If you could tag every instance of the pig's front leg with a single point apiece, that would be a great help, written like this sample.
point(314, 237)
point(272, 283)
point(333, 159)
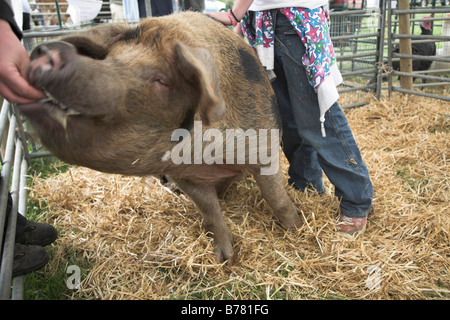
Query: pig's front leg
point(207, 201)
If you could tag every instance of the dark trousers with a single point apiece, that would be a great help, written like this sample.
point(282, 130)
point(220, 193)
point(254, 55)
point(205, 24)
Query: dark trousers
point(161, 7)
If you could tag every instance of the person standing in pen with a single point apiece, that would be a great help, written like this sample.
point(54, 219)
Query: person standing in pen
point(292, 40)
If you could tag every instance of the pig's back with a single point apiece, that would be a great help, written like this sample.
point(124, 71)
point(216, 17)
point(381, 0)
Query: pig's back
point(244, 85)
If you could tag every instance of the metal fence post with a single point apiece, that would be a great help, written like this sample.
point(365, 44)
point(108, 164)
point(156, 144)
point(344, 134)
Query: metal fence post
point(380, 47)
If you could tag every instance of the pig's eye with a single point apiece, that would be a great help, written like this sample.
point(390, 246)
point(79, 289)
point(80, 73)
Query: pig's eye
point(161, 81)
point(155, 76)
point(88, 48)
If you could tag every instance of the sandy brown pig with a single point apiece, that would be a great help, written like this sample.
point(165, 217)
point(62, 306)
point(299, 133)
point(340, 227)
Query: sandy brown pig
point(123, 99)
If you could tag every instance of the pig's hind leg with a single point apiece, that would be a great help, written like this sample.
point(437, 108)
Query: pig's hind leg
point(273, 191)
point(207, 201)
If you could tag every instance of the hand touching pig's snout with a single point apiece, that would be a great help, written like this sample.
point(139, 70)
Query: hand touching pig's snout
point(51, 63)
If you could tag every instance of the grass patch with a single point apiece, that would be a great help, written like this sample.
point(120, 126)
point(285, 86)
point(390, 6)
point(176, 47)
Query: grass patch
point(49, 283)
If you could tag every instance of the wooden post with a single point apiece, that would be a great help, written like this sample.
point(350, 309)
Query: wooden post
point(405, 46)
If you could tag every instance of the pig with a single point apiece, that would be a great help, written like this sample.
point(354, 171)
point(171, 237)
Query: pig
point(117, 94)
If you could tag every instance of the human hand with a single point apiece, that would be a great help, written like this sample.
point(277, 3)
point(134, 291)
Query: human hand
point(238, 29)
point(221, 16)
point(224, 18)
point(14, 62)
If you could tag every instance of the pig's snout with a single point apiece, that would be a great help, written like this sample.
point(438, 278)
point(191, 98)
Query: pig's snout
point(50, 63)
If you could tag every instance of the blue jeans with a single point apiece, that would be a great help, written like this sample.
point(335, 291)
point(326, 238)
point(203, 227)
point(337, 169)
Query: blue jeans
point(307, 151)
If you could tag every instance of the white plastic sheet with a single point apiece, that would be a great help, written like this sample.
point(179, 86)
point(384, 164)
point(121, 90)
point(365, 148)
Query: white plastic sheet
point(83, 10)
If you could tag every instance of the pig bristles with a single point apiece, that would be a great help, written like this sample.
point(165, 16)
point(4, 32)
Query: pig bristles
point(134, 239)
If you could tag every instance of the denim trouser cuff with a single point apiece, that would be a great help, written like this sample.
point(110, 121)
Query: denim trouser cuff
point(365, 214)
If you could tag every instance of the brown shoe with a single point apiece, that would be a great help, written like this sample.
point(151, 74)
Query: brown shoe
point(351, 225)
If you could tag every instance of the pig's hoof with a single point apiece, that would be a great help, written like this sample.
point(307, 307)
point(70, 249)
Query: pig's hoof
point(224, 254)
point(292, 223)
point(223, 246)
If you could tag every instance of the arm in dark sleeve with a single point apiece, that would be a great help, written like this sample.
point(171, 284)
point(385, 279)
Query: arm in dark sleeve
point(7, 14)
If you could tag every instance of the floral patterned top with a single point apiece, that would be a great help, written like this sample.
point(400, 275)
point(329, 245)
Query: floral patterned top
point(312, 27)
point(319, 59)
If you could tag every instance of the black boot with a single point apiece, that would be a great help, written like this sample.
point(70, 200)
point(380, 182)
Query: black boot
point(34, 233)
point(28, 259)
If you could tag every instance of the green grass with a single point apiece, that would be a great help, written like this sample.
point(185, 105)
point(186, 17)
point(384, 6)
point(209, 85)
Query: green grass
point(47, 166)
point(413, 182)
point(49, 283)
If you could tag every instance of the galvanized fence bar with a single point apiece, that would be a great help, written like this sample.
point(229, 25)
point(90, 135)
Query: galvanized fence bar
point(10, 233)
point(353, 88)
point(359, 72)
point(6, 172)
point(359, 12)
point(419, 57)
point(356, 35)
point(438, 81)
point(7, 166)
point(49, 33)
point(421, 10)
point(18, 282)
point(354, 56)
point(422, 76)
point(435, 71)
point(419, 93)
point(420, 37)
point(380, 48)
point(14, 166)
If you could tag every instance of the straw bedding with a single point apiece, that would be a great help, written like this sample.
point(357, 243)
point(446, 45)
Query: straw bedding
point(140, 240)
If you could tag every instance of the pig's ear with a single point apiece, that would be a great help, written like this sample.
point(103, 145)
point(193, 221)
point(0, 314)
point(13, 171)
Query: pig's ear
point(197, 66)
point(87, 47)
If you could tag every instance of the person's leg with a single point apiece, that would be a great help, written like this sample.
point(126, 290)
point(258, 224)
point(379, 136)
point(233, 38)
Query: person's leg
point(161, 8)
point(29, 255)
point(304, 170)
point(338, 153)
point(344, 166)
